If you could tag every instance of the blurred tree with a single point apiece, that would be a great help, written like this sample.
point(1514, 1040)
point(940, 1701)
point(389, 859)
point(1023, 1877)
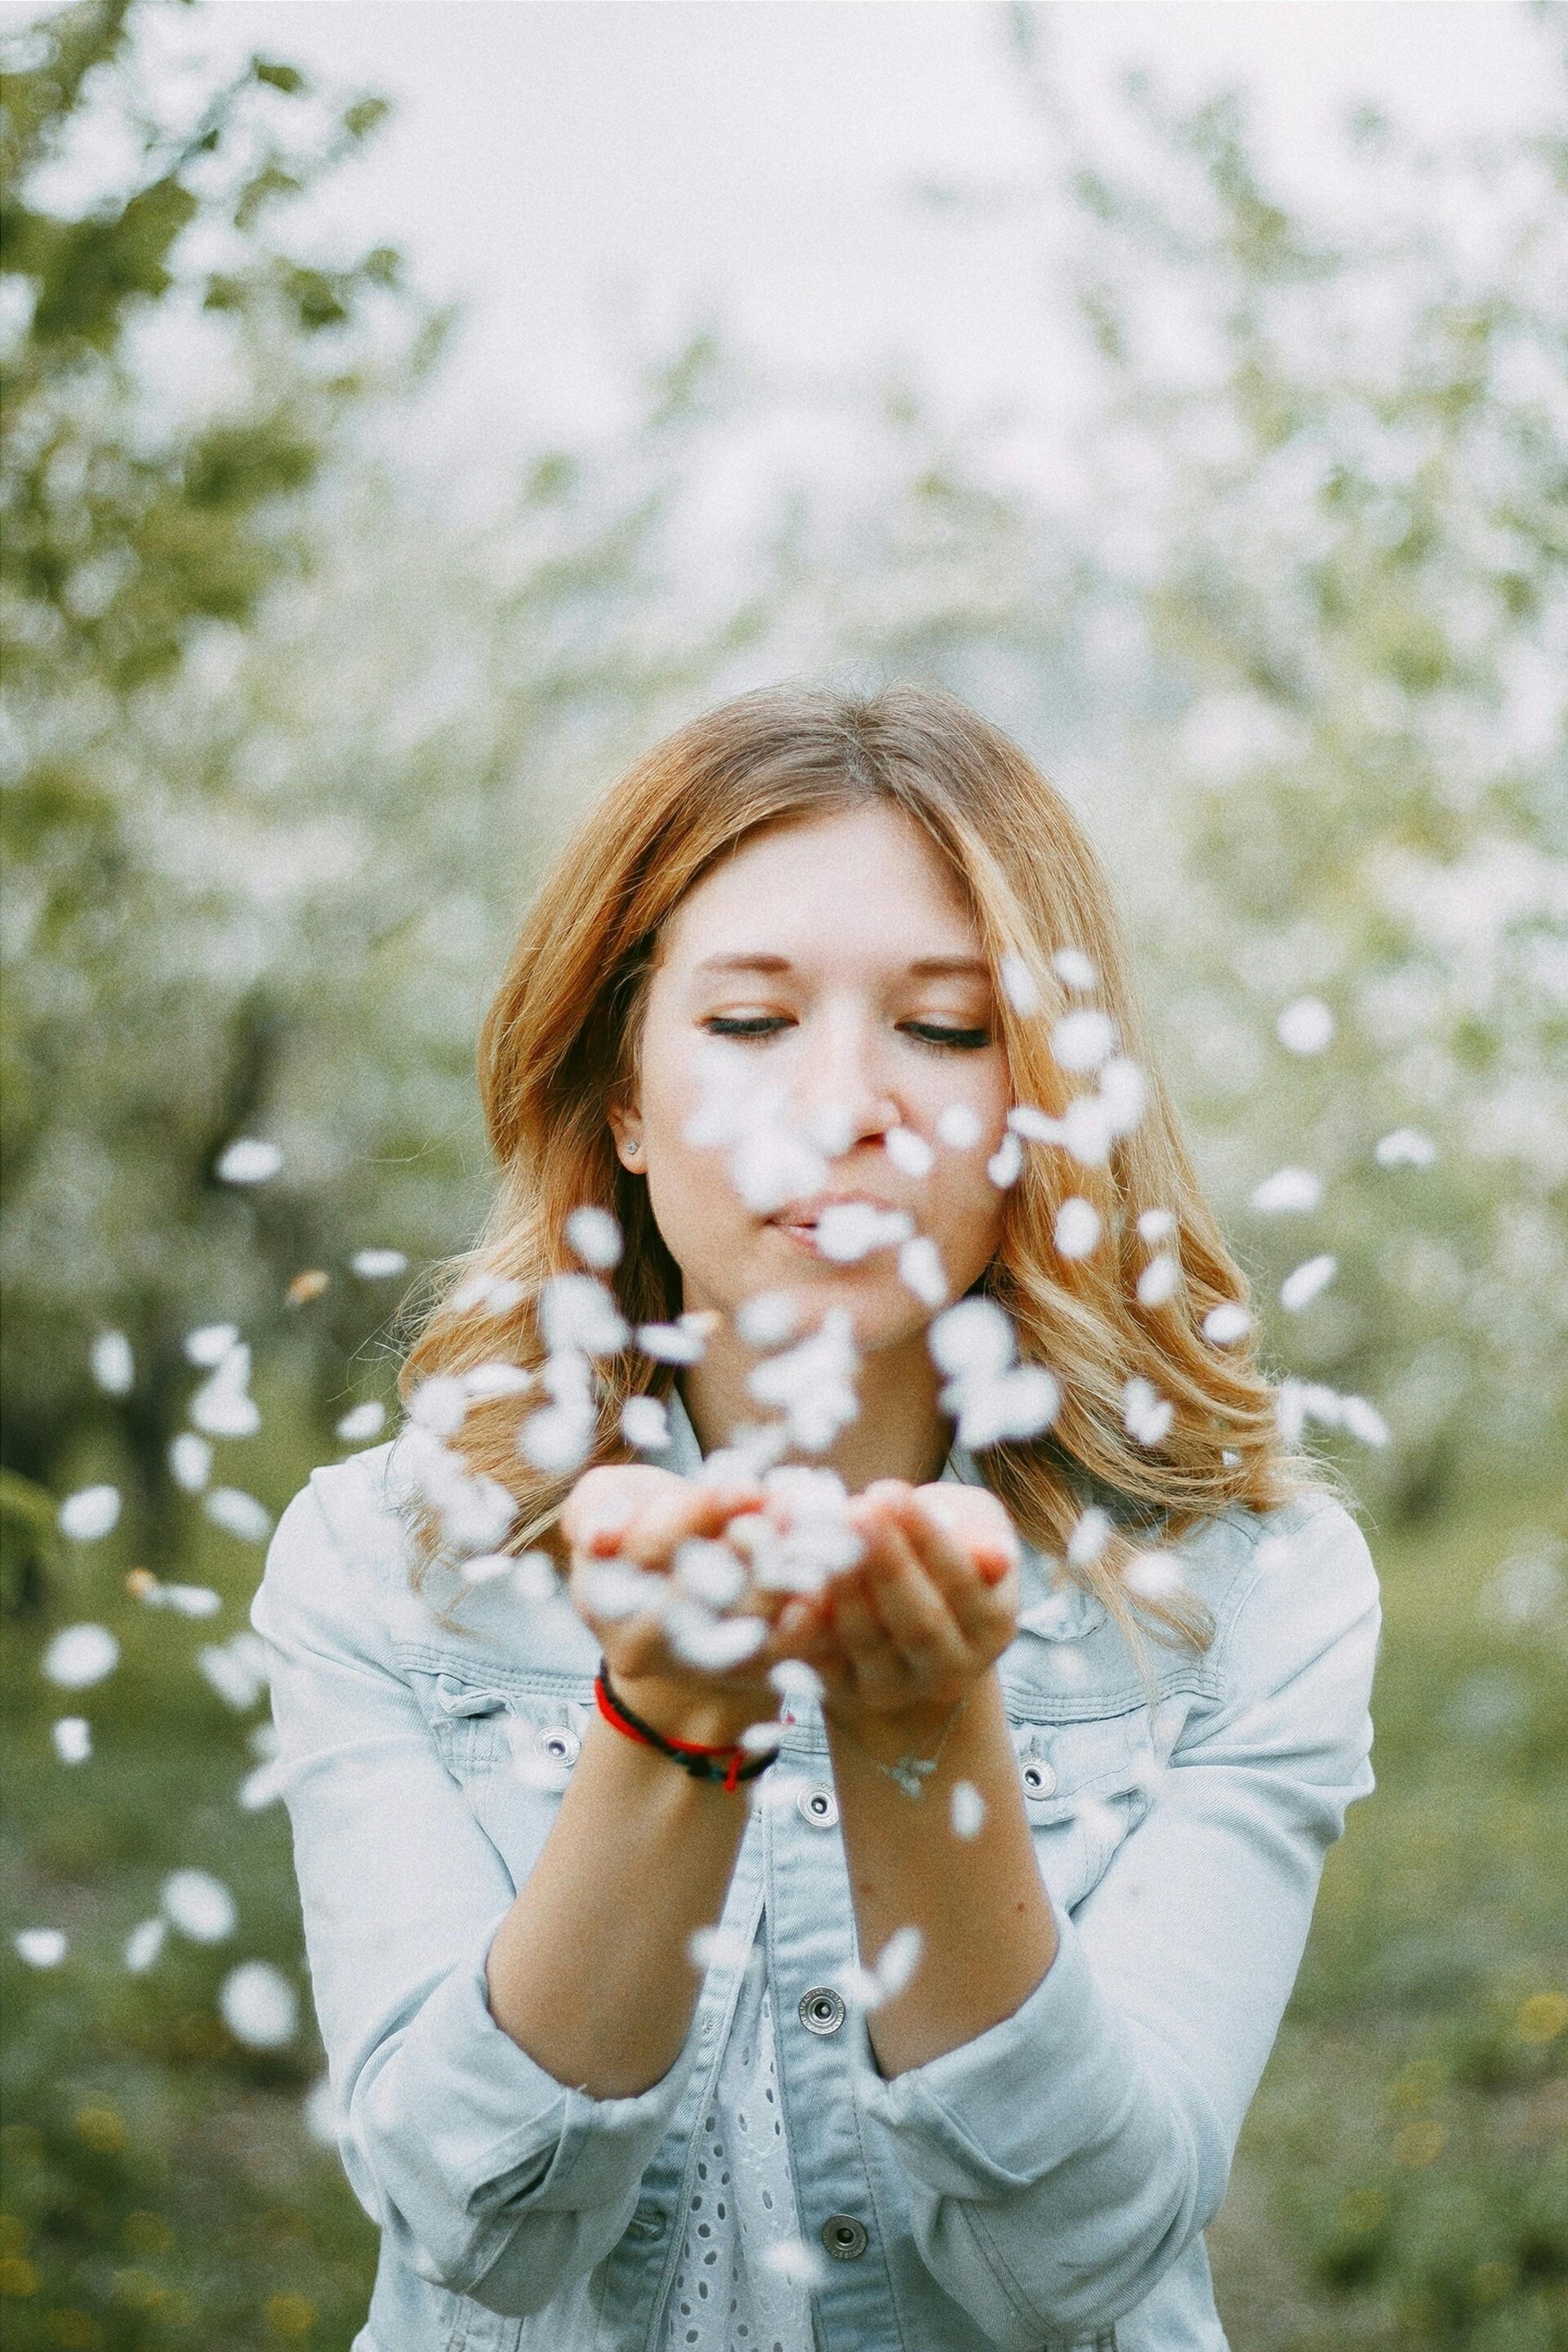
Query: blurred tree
point(282, 734)
point(1326, 467)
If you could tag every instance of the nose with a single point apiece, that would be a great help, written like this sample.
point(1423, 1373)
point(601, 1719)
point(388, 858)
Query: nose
point(843, 1095)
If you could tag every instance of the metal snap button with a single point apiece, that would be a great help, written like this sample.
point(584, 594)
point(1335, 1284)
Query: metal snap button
point(844, 2237)
point(818, 1805)
point(553, 1739)
point(821, 2010)
point(1039, 1779)
point(647, 2223)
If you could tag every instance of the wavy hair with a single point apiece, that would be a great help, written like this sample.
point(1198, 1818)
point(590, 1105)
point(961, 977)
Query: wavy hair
point(560, 1040)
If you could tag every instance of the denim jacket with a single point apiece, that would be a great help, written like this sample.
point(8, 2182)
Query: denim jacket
point(1043, 2187)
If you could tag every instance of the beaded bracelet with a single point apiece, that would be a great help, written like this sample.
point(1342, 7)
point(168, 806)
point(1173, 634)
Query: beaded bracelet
point(728, 1766)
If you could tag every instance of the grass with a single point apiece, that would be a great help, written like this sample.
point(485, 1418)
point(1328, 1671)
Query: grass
point(1401, 2183)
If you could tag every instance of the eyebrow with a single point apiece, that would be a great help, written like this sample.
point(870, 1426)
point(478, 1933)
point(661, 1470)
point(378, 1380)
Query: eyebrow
point(922, 968)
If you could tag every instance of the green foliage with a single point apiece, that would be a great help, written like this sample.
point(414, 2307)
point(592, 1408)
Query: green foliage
point(1326, 485)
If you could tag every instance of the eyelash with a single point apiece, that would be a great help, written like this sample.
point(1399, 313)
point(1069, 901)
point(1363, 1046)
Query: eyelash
point(952, 1041)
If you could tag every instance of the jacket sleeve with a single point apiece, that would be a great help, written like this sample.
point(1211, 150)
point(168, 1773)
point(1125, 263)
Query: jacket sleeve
point(490, 2178)
point(1062, 2161)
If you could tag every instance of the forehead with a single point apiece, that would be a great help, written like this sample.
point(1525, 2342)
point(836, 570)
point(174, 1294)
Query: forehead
point(865, 881)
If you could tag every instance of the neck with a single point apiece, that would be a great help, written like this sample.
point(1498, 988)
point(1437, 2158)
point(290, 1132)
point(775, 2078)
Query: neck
point(898, 1432)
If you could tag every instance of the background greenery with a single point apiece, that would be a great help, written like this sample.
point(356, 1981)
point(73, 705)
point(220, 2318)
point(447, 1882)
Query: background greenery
point(286, 737)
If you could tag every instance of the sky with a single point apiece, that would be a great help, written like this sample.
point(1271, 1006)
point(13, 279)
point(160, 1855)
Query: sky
point(591, 176)
point(594, 179)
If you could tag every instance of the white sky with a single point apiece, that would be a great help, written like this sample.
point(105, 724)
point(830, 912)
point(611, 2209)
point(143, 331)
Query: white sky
point(593, 176)
point(583, 168)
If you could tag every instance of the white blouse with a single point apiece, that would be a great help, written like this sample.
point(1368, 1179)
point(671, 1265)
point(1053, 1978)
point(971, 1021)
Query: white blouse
point(727, 2296)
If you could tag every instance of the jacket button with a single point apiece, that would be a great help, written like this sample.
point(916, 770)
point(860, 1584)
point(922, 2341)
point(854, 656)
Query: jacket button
point(1039, 1779)
point(821, 2010)
point(818, 1805)
point(560, 1744)
point(844, 2237)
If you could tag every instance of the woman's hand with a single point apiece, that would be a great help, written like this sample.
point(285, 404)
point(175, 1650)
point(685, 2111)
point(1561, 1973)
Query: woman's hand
point(636, 1516)
point(927, 1610)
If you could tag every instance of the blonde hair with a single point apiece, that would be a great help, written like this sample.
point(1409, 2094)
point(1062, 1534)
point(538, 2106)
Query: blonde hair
point(560, 1044)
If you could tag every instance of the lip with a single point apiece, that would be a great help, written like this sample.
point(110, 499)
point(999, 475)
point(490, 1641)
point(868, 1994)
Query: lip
point(801, 1217)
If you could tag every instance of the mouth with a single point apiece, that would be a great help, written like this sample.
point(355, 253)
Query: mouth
point(804, 1216)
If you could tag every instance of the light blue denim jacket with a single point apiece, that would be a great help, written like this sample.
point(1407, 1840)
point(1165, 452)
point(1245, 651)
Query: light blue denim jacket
point(1043, 2187)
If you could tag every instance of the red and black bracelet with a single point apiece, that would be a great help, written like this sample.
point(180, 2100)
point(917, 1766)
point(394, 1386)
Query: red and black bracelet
point(728, 1766)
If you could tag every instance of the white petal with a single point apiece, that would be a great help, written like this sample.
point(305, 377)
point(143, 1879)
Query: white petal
point(1305, 1025)
point(362, 1421)
point(80, 1654)
point(596, 1235)
point(42, 1947)
point(259, 2005)
point(959, 1127)
point(1301, 1285)
point(89, 1513)
point(1082, 1040)
point(1158, 1280)
point(249, 1160)
point(1288, 1189)
point(1077, 1228)
point(113, 1366)
point(1018, 984)
point(377, 1264)
point(199, 1906)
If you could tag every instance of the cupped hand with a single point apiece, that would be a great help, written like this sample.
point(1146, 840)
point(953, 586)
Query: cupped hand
point(927, 1610)
point(638, 1516)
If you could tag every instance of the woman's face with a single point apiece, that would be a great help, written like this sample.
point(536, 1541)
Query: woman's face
point(837, 959)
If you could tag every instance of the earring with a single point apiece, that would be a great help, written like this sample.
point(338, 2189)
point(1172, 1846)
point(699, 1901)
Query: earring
point(633, 1152)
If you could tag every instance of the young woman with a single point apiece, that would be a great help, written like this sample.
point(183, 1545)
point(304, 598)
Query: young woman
point(810, 1756)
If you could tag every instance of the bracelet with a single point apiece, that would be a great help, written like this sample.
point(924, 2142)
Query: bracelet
point(729, 1766)
point(910, 1774)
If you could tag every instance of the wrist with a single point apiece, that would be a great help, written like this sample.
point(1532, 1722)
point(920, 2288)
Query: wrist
point(704, 1719)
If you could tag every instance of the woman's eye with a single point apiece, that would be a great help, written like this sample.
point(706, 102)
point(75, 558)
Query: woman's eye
point(930, 1033)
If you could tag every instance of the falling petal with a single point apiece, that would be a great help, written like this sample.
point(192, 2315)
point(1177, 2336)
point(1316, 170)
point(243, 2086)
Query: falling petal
point(596, 1235)
point(966, 1810)
point(1158, 1281)
point(236, 1669)
point(439, 1403)
point(249, 1160)
point(909, 1151)
point(578, 1313)
point(144, 1945)
point(975, 1335)
point(1005, 1164)
point(1073, 968)
point(1406, 1147)
point(1154, 1576)
point(113, 1366)
point(199, 1906)
point(1288, 1189)
point(210, 1342)
point(1305, 1026)
point(80, 1654)
point(1018, 984)
point(323, 2117)
point(959, 1127)
point(718, 1948)
point(72, 1736)
point(920, 1270)
point(1226, 1322)
point(1089, 1537)
point(259, 2006)
point(238, 1514)
point(1157, 1224)
point(1146, 1415)
point(42, 1947)
point(377, 1264)
point(848, 1230)
point(190, 1461)
point(1077, 1228)
point(1123, 1094)
point(645, 1423)
point(1081, 1041)
point(793, 2260)
point(767, 1318)
point(221, 1406)
point(1300, 1287)
point(535, 1578)
point(89, 1514)
point(312, 1283)
point(1364, 1420)
point(361, 1422)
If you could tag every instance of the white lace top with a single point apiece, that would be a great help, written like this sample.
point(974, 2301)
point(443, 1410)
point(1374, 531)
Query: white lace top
point(726, 2296)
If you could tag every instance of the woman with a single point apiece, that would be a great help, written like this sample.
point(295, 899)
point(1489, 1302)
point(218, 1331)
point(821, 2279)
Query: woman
point(849, 1905)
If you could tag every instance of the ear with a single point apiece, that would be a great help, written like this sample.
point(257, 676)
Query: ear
point(626, 1128)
